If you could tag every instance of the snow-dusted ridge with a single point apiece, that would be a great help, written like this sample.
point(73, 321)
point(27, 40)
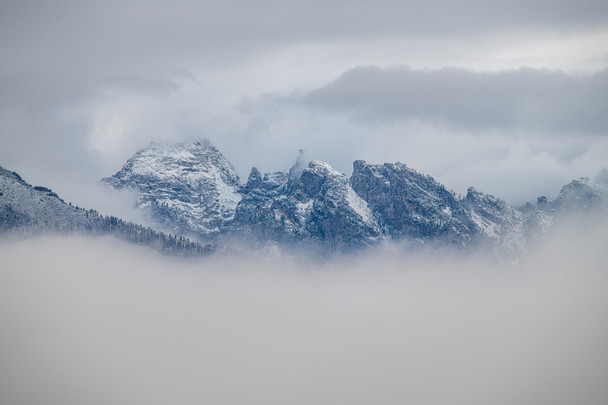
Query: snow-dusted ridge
point(184, 188)
point(192, 189)
point(27, 211)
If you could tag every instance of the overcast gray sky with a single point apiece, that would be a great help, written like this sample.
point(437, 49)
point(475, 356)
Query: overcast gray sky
point(507, 96)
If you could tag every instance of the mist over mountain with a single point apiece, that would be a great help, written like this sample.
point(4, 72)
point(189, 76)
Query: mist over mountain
point(93, 320)
point(193, 190)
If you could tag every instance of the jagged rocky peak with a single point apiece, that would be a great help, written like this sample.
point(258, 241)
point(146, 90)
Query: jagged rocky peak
point(478, 200)
point(173, 160)
point(320, 180)
point(317, 208)
point(473, 193)
point(255, 179)
point(317, 172)
point(191, 189)
point(372, 181)
point(579, 195)
point(496, 221)
point(343, 217)
point(185, 188)
point(412, 204)
point(272, 183)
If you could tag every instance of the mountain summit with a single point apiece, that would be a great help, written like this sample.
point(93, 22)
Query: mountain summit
point(314, 207)
point(184, 188)
point(191, 189)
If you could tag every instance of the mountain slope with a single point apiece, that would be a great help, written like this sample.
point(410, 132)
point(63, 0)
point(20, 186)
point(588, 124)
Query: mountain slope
point(411, 204)
point(27, 210)
point(500, 227)
point(184, 188)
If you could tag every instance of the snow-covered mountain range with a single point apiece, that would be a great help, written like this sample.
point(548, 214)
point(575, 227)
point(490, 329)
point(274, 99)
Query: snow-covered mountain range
point(191, 189)
point(26, 210)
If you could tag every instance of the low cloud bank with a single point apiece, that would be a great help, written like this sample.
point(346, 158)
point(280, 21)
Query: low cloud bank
point(96, 321)
point(537, 100)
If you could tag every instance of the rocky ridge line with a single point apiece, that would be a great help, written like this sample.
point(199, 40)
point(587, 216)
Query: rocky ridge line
point(192, 189)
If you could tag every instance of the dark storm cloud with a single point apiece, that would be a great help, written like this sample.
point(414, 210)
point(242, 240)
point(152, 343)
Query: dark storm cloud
point(122, 33)
point(528, 99)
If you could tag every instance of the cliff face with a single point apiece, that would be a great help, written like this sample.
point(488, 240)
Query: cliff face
point(317, 209)
point(410, 204)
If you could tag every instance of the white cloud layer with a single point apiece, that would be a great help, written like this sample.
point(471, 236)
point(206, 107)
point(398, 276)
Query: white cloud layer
point(94, 321)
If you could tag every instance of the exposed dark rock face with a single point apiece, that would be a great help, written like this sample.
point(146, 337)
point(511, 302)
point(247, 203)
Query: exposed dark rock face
point(411, 204)
point(265, 213)
point(319, 210)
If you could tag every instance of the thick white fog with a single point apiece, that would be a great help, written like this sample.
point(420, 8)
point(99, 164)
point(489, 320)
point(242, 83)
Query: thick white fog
point(95, 321)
